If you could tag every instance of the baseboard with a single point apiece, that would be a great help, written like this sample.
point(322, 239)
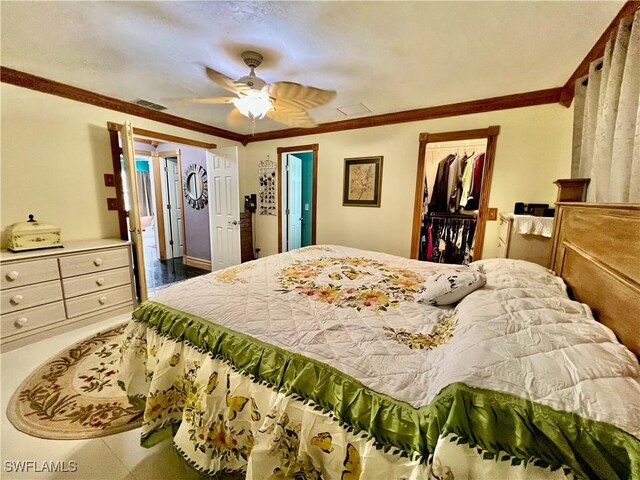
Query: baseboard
point(197, 262)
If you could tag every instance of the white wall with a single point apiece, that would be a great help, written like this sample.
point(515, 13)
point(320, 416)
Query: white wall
point(54, 153)
point(533, 150)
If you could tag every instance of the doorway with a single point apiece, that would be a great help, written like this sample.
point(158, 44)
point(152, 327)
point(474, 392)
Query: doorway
point(171, 203)
point(169, 227)
point(451, 204)
point(297, 200)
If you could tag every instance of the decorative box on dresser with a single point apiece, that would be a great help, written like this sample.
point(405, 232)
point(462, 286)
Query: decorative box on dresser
point(45, 292)
point(511, 244)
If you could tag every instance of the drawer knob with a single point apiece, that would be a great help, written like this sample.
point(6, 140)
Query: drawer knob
point(97, 262)
point(16, 299)
point(12, 275)
point(102, 300)
point(100, 281)
point(21, 322)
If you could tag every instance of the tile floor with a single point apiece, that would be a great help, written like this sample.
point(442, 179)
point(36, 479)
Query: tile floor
point(161, 273)
point(115, 457)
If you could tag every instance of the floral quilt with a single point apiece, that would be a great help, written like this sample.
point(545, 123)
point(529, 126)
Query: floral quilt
point(319, 363)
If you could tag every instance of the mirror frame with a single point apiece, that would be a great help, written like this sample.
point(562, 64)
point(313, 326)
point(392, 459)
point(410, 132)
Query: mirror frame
point(203, 199)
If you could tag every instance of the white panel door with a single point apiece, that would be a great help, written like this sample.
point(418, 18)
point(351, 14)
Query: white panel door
point(294, 207)
point(224, 207)
point(174, 206)
point(131, 200)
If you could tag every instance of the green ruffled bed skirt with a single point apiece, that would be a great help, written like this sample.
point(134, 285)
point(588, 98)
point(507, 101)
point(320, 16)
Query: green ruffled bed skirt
point(503, 427)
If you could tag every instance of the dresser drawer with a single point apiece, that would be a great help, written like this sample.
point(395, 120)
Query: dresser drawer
point(95, 282)
point(26, 273)
point(25, 320)
point(502, 249)
point(30, 296)
point(94, 262)
point(97, 301)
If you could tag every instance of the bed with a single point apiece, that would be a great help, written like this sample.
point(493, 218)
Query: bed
point(319, 363)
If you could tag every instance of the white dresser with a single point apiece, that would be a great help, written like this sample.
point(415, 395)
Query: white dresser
point(524, 246)
point(45, 292)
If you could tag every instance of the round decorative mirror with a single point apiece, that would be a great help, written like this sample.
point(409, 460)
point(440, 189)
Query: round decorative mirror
point(195, 186)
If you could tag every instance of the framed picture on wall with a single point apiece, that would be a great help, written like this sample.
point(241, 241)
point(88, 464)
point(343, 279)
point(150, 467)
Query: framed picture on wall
point(362, 182)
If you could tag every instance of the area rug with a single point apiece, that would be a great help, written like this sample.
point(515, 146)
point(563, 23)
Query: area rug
point(75, 394)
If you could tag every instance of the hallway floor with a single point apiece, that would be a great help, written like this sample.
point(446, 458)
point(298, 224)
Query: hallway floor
point(161, 273)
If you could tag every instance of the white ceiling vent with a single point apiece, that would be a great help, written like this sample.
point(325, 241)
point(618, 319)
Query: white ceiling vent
point(357, 109)
point(148, 104)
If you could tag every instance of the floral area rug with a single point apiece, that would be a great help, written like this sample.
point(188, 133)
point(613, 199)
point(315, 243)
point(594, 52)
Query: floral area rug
point(75, 395)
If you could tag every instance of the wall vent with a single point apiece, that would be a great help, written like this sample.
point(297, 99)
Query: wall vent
point(357, 109)
point(148, 104)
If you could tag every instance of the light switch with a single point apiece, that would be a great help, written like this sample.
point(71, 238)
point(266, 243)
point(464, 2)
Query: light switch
point(492, 214)
point(109, 180)
point(306, 207)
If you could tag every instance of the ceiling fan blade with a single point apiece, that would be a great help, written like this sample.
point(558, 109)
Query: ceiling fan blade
point(236, 120)
point(300, 96)
point(213, 100)
point(225, 82)
point(291, 116)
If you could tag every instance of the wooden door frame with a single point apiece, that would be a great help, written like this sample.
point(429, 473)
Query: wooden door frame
point(114, 141)
point(314, 196)
point(157, 188)
point(177, 154)
point(491, 134)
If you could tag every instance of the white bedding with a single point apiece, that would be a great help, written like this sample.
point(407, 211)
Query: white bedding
point(520, 334)
point(320, 364)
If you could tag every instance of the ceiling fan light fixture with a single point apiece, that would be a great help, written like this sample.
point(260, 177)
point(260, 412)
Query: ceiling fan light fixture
point(254, 104)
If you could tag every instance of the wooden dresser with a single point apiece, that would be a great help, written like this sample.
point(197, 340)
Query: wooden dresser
point(45, 292)
point(511, 244)
point(246, 238)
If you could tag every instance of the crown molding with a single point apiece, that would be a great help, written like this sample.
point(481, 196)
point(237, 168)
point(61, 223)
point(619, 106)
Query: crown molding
point(597, 51)
point(528, 99)
point(33, 82)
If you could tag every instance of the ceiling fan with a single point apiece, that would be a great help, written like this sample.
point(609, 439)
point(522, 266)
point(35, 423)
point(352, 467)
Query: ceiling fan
point(284, 102)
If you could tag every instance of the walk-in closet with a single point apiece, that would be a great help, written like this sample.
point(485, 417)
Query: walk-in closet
point(452, 189)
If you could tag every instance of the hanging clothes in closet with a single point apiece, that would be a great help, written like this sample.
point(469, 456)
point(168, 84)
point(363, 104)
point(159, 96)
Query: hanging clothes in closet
point(472, 184)
point(450, 239)
point(446, 236)
point(440, 196)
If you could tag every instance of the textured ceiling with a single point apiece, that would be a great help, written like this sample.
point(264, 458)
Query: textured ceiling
point(390, 56)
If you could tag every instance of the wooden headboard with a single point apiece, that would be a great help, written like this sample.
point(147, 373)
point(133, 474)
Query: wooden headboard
point(596, 250)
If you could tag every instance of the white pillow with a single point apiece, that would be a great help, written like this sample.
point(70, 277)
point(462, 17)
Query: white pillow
point(447, 288)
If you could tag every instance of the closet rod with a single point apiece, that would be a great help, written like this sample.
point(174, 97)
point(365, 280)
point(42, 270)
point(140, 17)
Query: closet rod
point(454, 145)
point(456, 216)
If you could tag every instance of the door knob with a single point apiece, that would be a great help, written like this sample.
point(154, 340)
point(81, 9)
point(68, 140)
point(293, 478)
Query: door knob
point(235, 222)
